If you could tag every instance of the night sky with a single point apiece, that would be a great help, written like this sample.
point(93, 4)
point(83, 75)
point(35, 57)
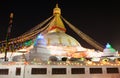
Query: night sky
point(99, 20)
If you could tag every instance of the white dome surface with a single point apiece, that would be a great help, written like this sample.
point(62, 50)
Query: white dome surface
point(57, 39)
point(55, 43)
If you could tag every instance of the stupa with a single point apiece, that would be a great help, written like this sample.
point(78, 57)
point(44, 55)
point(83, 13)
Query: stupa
point(55, 42)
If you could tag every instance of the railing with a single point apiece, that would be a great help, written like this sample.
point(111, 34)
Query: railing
point(58, 71)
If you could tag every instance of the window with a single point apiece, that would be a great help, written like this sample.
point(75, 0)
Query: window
point(4, 71)
point(39, 71)
point(18, 71)
point(112, 70)
point(58, 70)
point(95, 70)
point(78, 71)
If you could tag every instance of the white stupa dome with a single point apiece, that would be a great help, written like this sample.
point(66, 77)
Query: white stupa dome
point(56, 39)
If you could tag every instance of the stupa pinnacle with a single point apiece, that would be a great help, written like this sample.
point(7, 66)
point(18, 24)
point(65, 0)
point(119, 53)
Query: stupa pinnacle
point(56, 10)
point(56, 24)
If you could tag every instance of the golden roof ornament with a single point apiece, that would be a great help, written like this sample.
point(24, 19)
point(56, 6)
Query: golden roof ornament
point(56, 10)
point(56, 25)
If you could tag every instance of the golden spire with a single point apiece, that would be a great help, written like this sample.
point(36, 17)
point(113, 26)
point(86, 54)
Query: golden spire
point(56, 5)
point(56, 25)
point(56, 10)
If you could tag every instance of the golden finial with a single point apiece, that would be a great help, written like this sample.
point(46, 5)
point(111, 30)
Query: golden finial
point(56, 10)
point(56, 5)
point(56, 25)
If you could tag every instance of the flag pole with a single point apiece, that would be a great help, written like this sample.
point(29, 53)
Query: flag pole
point(8, 35)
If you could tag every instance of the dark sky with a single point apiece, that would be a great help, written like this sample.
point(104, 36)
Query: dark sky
point(99, 20)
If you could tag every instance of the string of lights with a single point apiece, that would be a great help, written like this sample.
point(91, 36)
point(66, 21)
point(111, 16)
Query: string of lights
point(84, 36)
point(31, 34)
